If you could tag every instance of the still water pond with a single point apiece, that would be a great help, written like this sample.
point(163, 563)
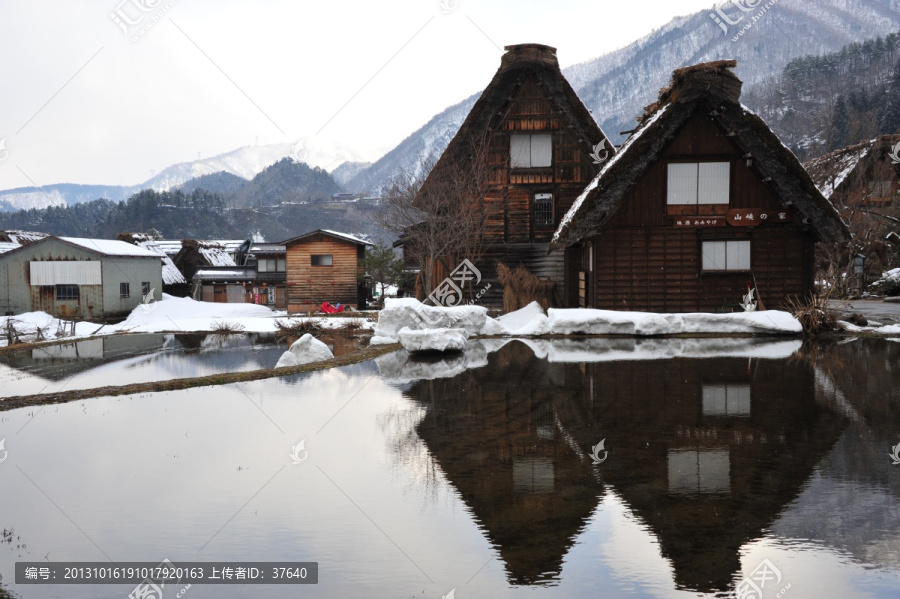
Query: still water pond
point(129, 359)
point(606, 468)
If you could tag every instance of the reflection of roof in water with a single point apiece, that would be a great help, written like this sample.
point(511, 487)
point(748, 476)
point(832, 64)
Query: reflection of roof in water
point(707, 452)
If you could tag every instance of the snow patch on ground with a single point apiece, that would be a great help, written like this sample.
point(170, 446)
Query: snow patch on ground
point(399, 313)
point(526, 321)
point(607, 322)
point(441, 340)
point(305, 350)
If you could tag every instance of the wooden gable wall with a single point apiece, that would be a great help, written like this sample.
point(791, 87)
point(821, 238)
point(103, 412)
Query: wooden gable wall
point(643, 261)
point(508, 201)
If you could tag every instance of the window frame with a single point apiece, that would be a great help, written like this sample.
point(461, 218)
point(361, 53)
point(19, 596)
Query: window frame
point(124, 290)
point(698, 189)
point(312, 259)
point(145, 288)
point(551, 212)
point(67, 296)
point(728, 252)
point(516, 164)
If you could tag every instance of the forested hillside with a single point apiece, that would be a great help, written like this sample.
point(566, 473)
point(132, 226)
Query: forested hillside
point(824, 103)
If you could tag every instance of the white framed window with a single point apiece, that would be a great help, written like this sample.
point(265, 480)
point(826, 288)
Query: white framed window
point(726, 255)
point(530, 151)
point(703, 183)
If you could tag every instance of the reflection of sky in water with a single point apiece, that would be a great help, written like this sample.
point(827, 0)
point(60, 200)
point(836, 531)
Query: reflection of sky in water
point(122, 360)
point(166, 475)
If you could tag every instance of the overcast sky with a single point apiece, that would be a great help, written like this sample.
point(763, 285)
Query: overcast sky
point(83, 102)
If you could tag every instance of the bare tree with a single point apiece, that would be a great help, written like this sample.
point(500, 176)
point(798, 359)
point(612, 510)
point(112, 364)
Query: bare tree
point(442, 220)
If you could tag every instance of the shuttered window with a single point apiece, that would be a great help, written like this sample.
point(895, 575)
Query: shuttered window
point(726, 255)
point(531, 151)
point(691, 183)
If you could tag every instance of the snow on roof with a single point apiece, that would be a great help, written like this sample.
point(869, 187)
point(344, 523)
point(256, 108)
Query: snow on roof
point(267, 248)
point(829, 171)
point(24, 237)
point(216, 256)
point(170, 273)
point(171, 248)
point(8, 246)
point(110, 247)
point(349, 237)
point(645, 125)
point(222, 274)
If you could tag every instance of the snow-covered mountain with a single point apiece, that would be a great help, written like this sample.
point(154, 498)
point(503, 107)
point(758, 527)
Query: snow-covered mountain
point(246, 163)
point(616, 86)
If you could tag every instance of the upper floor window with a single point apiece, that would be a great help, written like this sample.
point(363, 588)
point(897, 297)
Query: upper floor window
point(543, 208)
point(322, 260)
point(692, 183)
point(530, 151)
point(271, 265)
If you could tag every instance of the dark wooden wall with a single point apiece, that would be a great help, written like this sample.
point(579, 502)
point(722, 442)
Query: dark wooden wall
point(508, 200)
point(309, 286)
point(642, 261)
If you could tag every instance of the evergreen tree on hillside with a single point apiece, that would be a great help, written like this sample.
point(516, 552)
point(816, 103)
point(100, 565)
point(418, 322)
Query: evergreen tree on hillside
point(839, 133)
point(890, 115)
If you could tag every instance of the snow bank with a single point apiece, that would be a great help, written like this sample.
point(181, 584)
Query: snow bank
point(607, 322)
point(27, 325)
point(527, 321)
point(184, 314)
point(411, 313)
point(304, 350)
point(442, 340)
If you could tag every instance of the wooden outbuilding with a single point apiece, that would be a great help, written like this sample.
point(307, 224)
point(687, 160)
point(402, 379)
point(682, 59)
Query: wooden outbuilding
point(701, 200)
point(324, 266)
point(540, 140)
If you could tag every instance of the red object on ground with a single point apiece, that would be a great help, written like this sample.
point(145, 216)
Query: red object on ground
point(329, 309)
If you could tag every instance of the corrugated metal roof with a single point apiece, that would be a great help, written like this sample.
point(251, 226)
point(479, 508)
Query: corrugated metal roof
point(110, 247)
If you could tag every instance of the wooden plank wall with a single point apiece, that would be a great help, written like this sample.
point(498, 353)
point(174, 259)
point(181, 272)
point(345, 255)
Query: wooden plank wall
point(311, 285)
point(643, 262)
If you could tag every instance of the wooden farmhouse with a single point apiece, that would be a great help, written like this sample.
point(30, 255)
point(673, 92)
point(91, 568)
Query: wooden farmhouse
point(863, 175)
point(324, 266)
point(700, 201)
point(540, 139)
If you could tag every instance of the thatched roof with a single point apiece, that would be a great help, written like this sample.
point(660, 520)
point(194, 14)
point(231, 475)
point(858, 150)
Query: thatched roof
point(711, 89)
point(832, 172)
point(517, 64)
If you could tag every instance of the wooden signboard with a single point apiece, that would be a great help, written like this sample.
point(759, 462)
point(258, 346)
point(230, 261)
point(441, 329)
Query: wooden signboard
point(753, 217)
point(699, 221)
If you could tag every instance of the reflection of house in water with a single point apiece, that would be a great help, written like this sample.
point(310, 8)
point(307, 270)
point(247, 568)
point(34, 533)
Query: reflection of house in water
point(706, 452)
point(494, 434)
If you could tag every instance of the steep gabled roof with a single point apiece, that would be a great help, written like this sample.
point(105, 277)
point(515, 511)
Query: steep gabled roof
point(832, 171)
point(710, 89)
point(517, 64)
